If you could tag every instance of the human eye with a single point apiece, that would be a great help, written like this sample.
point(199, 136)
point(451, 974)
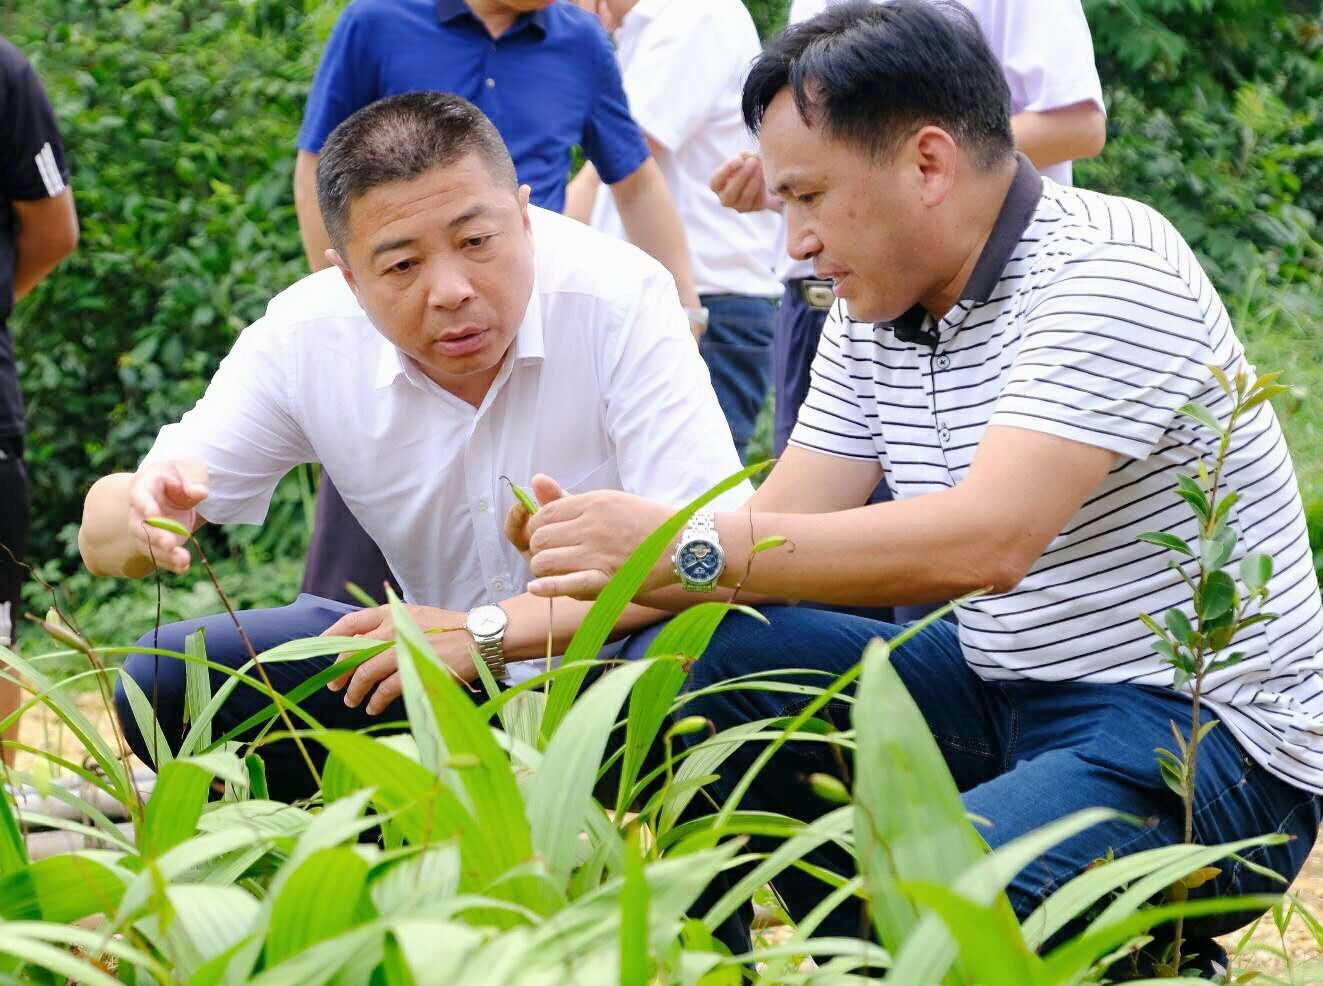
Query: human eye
point(401, 266)
point(477, 242)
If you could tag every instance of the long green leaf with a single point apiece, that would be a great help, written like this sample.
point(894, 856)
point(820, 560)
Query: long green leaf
point(179, 796)
point(686, 636)
point(619, 592)
point(60, 888)
point(988, 937)
point(440, 712)
point(910, 823)
point(318, 901)
point(559, 795)
point(634, 965)
point(13, 850)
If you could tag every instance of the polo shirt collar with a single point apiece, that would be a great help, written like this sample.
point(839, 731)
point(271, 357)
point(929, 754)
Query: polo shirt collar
point(449, 10)
point(1017, 211)
point(529, 346)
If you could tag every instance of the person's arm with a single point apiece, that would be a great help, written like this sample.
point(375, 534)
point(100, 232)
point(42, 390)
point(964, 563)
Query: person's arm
point(47, 233)
point(346, 81)
point(531, 620)
point(1069, 133)
point(316, 241)
point(652, 224)
point(114, 538)
point(983, 534)
point(581, 193)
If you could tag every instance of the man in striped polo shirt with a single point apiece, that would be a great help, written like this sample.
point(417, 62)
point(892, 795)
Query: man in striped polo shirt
point(1011, 353)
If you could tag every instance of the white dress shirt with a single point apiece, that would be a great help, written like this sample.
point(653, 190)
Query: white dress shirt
point(603, 388)
point(683, 63)
point(1046, 55)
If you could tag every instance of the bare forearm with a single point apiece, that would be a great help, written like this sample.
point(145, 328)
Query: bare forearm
point(104, 539)
point(47, 233)
point(1071, 133)
point(530, 617)
point(581, 193)
point(316, 241)
point(652, 224)
point(920, 550)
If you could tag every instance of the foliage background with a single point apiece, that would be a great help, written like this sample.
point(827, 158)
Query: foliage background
point(180, 118)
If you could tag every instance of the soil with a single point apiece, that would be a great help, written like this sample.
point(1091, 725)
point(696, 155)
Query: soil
point(1263, 951)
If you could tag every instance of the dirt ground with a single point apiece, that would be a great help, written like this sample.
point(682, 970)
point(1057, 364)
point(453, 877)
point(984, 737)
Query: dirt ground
point(43, 730)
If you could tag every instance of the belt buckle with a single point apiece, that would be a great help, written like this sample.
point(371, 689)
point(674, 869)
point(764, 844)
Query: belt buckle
point(817, 293)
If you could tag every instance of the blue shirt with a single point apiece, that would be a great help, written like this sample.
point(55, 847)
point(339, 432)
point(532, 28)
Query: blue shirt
point(548, 83)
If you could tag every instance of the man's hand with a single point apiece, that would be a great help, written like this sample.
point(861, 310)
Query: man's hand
point(379, 676)
point(171, 490)
point(740, 185)
point(545, 490)
point(577, 543)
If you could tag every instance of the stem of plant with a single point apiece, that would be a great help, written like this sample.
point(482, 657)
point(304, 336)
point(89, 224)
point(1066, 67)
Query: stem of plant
point(276, 696)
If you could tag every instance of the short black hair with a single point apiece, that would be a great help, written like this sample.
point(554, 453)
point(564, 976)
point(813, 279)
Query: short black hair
point(872, 74)
point(399, 138)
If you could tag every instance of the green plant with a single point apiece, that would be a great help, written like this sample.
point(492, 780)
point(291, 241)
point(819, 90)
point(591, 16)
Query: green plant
point(494, 859)
point(1196, 649)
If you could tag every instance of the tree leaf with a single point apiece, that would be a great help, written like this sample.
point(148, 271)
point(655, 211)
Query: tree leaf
point(1169, 541)
point(1219, 597)
point(1179, 625)
point(1255, 571)
point(1201, 414)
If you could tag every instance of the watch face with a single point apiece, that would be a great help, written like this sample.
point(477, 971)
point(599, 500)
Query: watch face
point(699, 561)
point(486, 621)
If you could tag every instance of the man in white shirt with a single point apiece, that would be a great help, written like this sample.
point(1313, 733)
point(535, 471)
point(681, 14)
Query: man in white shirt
point(462, 337)
point(1016, 357)
point(683, 64)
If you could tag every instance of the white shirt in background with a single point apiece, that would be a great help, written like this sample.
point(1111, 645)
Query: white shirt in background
point(1046, 56)
point(603, 388)
point(683, 63)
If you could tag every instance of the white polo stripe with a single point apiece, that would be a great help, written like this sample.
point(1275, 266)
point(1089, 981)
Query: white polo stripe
point(1100, 325)
point(49, 170)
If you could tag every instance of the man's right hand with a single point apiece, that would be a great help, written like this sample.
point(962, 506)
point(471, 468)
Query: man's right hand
point(171, 490)
point(740, 184)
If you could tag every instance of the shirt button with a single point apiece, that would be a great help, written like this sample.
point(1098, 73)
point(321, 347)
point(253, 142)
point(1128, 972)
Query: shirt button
point(491, 83)
point(483, 504)
point(943, 361)
point(944, 434)
point(498, 584)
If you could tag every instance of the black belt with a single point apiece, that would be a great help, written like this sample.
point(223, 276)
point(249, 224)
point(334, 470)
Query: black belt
point(814, 292)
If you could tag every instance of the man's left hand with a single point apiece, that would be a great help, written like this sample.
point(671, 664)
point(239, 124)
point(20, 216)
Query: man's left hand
point(577, 543)
point(379, 676)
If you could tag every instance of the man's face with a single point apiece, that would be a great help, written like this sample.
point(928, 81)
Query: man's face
point(860, 221)
point(443, 266)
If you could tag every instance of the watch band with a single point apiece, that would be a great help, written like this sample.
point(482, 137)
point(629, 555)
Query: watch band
point(702, 524)
point(492, 654)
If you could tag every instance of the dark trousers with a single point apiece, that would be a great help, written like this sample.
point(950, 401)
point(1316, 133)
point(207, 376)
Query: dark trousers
point(15, 528)
point(1022, 753)
point(737, 348)
point(342, 552)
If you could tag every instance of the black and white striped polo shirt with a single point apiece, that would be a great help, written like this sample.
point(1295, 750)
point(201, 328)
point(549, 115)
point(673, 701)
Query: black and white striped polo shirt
point(1088, 317)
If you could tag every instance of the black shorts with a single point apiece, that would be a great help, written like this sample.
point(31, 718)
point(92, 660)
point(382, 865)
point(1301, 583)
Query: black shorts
point(15, 521)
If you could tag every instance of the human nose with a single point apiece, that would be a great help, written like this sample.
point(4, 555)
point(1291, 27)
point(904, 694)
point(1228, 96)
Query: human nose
point(802, 241)
point(449, 285)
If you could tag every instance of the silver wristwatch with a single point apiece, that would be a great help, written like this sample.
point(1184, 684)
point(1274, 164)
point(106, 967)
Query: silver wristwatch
point(698, 316)
point(699, 558)
point(487, 626)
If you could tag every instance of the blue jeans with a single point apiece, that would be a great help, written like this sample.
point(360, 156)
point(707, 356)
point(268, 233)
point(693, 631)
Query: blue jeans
point(1022, 753)
point(737, 348)
point(794, 343)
